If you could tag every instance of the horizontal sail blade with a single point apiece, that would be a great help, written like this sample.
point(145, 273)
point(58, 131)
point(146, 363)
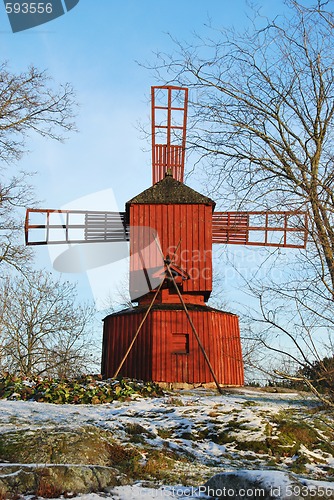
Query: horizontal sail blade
point(270, 229)
point(47, 226)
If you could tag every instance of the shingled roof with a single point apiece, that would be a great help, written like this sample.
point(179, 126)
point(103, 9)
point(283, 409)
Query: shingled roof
point(171, 191)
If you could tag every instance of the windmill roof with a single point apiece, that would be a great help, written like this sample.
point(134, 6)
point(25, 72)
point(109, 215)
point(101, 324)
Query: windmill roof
point(171, 191)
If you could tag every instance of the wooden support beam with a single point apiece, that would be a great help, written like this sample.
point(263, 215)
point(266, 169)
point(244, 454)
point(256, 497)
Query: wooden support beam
point(193, 328)
point(138, 331)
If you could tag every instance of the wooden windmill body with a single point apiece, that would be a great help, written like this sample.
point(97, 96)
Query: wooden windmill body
point(171, 335)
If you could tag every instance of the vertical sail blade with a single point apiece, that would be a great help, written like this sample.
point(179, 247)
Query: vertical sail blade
point(169, 119)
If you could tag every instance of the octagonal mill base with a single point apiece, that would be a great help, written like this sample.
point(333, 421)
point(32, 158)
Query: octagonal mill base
point(166, 350)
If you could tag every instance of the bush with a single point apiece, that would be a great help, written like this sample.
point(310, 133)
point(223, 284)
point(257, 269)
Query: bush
point(321, 374)
point(84, 390)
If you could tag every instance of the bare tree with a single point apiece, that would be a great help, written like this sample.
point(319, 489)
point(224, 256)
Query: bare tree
point(262, 116)
point(29, 103)
point(42, 329)
point(16, 193)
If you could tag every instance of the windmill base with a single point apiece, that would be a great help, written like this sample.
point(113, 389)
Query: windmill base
point(166, 350)
point(183, 386)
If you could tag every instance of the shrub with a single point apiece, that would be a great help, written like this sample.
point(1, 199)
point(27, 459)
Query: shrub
point(84, 390)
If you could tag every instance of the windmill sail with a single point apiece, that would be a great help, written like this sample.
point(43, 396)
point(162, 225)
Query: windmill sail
point(169, 117)
point(270, 229)
point(47, 226)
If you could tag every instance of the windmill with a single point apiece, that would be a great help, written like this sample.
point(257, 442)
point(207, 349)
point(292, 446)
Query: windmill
point(171, 335)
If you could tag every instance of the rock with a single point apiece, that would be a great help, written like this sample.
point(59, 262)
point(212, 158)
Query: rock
point(14, 479)
point(84, 445)
point(50, 462)
point(53, 480)
point(264, 485)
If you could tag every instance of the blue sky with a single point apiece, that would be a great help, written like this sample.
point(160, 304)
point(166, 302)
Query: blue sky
point(97, 47)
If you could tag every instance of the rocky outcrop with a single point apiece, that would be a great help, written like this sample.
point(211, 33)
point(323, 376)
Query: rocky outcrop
point(265, 485)
point(52, 480)
point(61, 460)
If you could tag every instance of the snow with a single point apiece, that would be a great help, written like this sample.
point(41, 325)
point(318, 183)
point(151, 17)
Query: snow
point(168, 420)
point(140, 492)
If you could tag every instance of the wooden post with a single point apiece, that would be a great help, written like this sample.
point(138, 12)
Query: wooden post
point(138, 331)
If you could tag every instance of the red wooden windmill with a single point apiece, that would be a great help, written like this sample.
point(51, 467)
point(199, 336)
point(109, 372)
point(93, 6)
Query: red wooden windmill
point(171, 335)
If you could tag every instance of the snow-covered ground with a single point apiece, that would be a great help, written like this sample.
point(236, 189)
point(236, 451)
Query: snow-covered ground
point(184, 421)
point(139, 492)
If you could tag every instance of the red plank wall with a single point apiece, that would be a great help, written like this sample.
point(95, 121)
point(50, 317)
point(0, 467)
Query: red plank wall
point(182, 228)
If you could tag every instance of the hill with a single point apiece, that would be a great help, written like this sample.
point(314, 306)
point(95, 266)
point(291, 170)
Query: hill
point(161, 446)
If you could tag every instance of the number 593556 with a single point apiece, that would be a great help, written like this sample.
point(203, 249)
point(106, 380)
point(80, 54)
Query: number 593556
point(28, 8)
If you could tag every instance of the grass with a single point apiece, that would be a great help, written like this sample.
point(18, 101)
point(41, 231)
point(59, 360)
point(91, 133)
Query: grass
point(135, 429)
point(165, 433)
point(47, 488)
point(125, 458)
point(291, 432)
point(249, 403)
point(174, 401)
